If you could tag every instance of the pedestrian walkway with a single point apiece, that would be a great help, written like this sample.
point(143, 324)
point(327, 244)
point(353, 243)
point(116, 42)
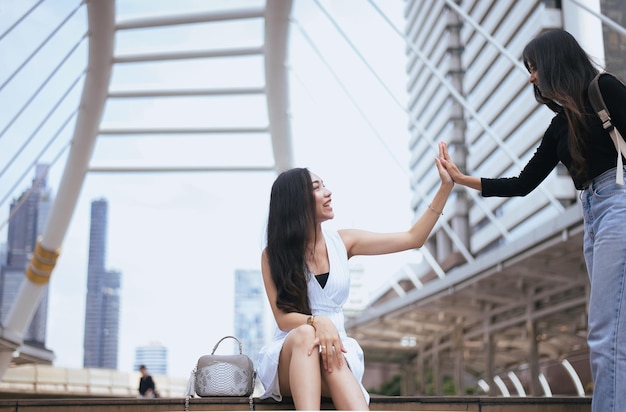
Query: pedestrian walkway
point(388, 403)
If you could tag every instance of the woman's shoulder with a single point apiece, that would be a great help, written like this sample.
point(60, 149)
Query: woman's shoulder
point(613, 92)
point(611, 86)
point(336, 237)
point(556, 131)
point(558, 123)
point(330, 233)
point(609, 80)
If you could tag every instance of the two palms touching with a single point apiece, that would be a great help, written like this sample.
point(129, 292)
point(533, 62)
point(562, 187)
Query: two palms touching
point(447, 168)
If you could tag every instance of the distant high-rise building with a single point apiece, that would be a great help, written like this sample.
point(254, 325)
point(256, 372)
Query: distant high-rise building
point(153, 356)
point(28, 215)
point(250, 303)
point(102, 313)
point(3, 254)
point(359, 295)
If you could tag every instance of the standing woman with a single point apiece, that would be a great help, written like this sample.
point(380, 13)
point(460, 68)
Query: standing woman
point(307, 280)
point(560, 72)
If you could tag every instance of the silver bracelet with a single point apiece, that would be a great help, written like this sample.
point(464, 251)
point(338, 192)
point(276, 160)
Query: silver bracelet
point(434, 210)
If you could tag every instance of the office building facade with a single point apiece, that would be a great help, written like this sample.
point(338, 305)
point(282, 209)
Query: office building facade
point(103, 297)
point(465, 91)
point(153, 356)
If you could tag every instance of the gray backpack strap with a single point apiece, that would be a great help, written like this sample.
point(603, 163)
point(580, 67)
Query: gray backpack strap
point(597, 102)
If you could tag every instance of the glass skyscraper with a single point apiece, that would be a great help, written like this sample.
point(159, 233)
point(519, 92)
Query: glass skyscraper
point(27, 218)
point(103, 297)
point(249, 317)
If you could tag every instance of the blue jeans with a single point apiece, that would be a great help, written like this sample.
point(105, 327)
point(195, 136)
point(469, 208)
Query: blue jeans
point(604, 211)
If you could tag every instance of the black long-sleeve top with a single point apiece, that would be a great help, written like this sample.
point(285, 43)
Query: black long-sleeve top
point(553, 149)
point(146, 383)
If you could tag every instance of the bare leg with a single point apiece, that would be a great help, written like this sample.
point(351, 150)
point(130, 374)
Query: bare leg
point(344, 389)
point(299, 374)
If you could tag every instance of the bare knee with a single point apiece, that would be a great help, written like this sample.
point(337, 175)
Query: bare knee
point(301, 337)
point(294, 357)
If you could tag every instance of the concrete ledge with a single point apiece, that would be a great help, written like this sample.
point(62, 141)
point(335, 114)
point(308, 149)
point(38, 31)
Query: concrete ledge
point(389, 403)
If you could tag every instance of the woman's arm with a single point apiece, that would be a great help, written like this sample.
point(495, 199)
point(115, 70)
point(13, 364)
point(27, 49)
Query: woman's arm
point(285, 321)
point(360, 242)
point(543, 161)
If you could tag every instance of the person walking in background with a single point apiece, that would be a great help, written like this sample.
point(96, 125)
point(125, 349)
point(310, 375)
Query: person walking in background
point(560, 72)
point(307, 279)
point(147, 388)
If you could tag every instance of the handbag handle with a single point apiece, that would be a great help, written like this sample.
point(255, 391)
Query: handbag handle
point(226, 337)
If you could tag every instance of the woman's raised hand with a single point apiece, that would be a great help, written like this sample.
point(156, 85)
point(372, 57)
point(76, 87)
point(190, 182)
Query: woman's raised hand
point(448, 164)
point(444, 173)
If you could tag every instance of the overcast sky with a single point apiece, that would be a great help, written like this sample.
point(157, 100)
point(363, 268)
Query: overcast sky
point(178, 238)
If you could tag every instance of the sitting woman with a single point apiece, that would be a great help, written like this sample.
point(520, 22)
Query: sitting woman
point(307, 280)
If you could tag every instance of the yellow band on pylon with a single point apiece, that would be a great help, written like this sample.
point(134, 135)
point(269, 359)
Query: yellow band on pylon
point(45, 255)
point(37, 277)
point(41, 264)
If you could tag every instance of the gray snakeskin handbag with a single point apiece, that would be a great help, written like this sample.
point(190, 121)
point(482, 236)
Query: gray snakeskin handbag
point(222, 375)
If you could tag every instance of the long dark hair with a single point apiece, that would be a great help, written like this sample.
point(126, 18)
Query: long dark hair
point(290, 223)
point(564, 71)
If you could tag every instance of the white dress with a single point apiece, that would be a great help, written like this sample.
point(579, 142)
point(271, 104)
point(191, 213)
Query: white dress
point(327, 302)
